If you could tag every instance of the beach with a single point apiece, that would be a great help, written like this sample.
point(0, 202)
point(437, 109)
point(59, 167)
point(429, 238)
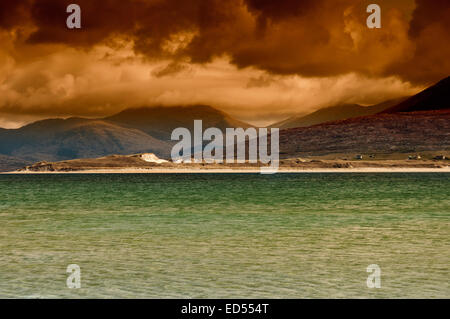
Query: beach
point(242, 171)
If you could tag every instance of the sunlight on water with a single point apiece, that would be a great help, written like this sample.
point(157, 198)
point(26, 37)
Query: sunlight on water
point(223, 236)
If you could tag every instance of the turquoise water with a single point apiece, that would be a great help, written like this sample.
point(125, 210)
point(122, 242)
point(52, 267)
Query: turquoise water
point(225, 235)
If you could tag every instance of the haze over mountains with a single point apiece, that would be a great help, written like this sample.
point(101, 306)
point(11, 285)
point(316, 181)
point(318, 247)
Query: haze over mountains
point(161, 121)
point(334, 113)
point(436, 97)
point(396, 127)
point(420, 123)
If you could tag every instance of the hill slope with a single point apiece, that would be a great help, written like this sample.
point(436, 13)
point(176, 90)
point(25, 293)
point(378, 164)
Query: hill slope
point(381, 133)
point(9, 163)
point(59, 139)
point(335, 113)
point(436, 97)
point(131, 131)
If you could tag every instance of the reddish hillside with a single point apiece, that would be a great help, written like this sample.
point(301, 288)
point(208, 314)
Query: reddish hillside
point(399, 132)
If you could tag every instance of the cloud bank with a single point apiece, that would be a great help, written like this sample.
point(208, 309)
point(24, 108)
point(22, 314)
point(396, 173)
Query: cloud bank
point(258, 59)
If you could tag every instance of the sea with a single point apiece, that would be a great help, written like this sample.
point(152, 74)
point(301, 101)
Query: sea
point(304, 235)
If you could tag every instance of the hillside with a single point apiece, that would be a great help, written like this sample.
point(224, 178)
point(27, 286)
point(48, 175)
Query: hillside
point(382, 133)
point(58, 139)
point(436, 97)
point(160, 121)
point(335, 113)
point(419, 123)
point(9, 163)
point(142, 130)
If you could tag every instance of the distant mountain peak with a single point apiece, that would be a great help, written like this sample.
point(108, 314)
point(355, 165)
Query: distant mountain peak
point(160, 121)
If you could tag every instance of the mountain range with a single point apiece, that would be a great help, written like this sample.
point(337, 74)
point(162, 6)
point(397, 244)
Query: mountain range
point(420, 122)
point(137, 130)
point(335, 113)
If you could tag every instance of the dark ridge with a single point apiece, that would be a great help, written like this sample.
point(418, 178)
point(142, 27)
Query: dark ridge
point(436, 97)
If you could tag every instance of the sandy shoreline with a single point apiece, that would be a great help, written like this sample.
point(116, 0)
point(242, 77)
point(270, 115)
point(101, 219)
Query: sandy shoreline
point(244, 170)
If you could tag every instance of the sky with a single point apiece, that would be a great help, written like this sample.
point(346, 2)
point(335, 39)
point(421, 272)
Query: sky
point(259, 60)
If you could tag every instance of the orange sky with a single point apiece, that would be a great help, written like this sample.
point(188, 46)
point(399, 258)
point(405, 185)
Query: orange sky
point(259, 60)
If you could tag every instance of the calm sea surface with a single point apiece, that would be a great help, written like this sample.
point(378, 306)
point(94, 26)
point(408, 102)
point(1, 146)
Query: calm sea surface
point(225, 235)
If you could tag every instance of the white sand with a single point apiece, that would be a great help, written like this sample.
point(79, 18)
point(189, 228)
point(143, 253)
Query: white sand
point(248, 170)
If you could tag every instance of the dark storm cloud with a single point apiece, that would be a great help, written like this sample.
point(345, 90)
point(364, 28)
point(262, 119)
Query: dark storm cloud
point(267, 10)
point(310, 38)
point(13, 12)
point(428, 13)
point(430, 33)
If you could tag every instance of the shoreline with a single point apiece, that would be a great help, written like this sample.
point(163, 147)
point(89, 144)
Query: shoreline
point(239, 171)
